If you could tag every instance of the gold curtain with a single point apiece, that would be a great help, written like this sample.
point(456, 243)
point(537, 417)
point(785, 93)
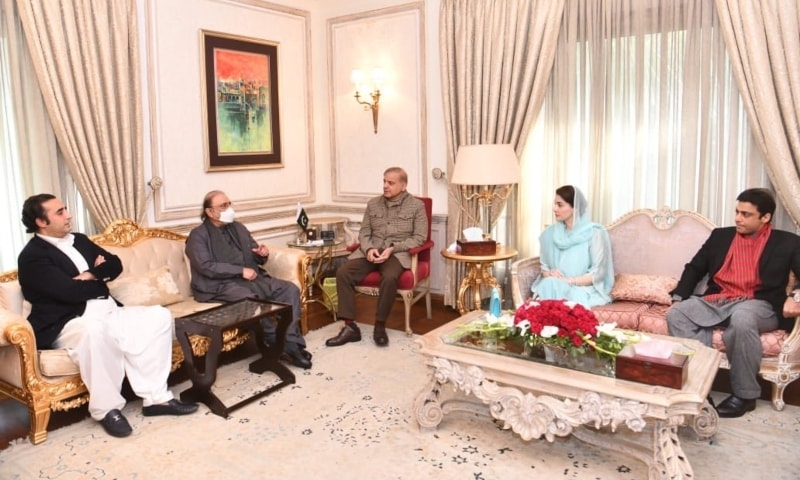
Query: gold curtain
point(763, 42)
point(86, 57)
point(496, 57)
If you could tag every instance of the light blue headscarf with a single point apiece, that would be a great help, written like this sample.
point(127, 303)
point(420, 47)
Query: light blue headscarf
point(556, 240)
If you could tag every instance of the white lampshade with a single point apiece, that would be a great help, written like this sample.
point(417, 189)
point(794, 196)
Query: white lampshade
point(486, 165)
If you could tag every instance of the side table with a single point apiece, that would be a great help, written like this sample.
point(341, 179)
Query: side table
point(319, 261)
point(214, 324)
point(479, 274)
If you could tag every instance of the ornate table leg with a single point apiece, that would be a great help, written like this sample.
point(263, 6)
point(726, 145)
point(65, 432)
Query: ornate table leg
point(427, 408)
point(468, 281)
point(669, 460)
point(706, 423)
point(479, 274)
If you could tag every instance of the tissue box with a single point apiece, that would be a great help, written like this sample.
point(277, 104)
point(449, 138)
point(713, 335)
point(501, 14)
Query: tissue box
point(484, 247)
point(666, 372)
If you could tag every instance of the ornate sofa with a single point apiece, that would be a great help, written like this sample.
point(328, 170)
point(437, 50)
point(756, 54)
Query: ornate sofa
point(155, 271)
point(650, 249)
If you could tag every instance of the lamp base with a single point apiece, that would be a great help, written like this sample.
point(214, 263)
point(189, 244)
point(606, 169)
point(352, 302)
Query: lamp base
point(483, 247)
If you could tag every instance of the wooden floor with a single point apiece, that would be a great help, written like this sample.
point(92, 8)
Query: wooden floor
point(14, 421)
point(14, 416)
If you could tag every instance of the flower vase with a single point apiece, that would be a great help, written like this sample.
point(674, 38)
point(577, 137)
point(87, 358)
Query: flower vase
point(534, 351)
point(489, 341)
point(556, 355)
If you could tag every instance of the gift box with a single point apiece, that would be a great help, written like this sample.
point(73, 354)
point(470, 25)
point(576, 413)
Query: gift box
point(481, 247)
point(666, 372)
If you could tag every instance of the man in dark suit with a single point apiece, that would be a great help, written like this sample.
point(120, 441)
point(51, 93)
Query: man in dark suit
point(747, 266)
point(226, 267)
point(63, 275)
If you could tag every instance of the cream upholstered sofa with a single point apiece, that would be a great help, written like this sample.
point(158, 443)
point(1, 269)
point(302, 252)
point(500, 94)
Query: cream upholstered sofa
point(155, 271)
point(650, 249)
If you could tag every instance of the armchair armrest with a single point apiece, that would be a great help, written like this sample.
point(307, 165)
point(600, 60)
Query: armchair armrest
point(523, 274)
point(287, 264)
point(425, 246)
point(7, 320)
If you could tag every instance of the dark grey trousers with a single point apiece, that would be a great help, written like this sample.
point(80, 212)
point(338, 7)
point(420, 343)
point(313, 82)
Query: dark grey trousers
point(744, 321)
point(353, 271)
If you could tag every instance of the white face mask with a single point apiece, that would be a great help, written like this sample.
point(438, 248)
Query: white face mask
point(227, 215)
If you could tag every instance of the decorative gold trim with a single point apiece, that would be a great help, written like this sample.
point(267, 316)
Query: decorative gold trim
point(9, 276)
point(126, 232)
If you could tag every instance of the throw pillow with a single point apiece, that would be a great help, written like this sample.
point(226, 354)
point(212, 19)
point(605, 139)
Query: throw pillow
point(643, 288)
point(153, 288)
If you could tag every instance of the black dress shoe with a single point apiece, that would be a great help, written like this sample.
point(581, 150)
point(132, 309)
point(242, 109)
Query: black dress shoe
point(734, 407)
point(173, 407)
point(379, 335)
point(306, 354)
point(294, 354)
point(115, 424)
point(348, 333)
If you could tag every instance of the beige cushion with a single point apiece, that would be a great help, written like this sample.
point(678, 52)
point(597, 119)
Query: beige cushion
point(643, 288)
point(56, 363)
point(153, 288)
point(624, 314)
point(11, 296)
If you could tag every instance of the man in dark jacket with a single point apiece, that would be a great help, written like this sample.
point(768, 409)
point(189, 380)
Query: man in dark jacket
point(393, 224)
point(747, 266)
point(225, 262)
point(63, 275)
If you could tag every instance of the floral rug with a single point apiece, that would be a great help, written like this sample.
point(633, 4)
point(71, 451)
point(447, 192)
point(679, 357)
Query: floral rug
point(350, 417)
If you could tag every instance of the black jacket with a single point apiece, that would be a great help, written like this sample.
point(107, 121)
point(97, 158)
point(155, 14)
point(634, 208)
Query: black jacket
point(46, 277)
point(781, 254)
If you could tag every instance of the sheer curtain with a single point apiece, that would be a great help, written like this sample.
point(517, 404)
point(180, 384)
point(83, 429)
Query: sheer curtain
point(29, 157)
point(642, 111)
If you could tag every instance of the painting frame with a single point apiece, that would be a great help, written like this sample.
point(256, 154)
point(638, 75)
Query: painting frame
point(240, 102)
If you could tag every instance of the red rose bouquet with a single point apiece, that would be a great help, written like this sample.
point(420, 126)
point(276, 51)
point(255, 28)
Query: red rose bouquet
point(556, 323)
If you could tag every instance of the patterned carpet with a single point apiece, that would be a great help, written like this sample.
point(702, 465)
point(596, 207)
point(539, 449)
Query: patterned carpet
point(350, 417)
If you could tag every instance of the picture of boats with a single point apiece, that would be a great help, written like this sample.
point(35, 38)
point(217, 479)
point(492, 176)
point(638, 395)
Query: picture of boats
point(242, 102)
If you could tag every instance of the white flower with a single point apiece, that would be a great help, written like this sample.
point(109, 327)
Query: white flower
point(506, 319)
point(531, 304)
point(570, 304)
point(549, 331)
point(610, 329)
point(524, 326)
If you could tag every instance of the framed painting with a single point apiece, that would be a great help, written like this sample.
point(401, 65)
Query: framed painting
point(240, 79)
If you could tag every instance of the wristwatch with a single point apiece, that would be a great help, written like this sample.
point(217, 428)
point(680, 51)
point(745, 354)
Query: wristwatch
point(795, 295)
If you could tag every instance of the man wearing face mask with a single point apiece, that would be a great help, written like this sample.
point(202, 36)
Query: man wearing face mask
point(225, 261)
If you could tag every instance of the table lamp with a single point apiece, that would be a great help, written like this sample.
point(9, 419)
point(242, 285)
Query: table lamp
point(486, 165)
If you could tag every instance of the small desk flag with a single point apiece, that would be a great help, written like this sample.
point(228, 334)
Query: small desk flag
point(302, 218)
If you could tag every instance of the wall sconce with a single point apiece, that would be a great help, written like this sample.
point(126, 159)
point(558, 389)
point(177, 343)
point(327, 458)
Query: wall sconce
point(486, 165)
point(374, 88)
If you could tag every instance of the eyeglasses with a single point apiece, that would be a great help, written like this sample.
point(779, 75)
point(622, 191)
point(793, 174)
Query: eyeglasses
point(223, 206)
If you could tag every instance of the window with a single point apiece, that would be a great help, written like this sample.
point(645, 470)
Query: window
point(642, 111)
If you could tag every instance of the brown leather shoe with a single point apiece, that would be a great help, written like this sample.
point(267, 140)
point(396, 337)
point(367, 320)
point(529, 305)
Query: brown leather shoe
point(379, 335)
point(348, 333)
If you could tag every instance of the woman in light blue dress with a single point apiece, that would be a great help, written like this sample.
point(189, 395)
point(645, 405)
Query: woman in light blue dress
point(575, 254)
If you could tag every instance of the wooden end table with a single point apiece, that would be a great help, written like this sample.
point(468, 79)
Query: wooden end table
point(218, 322)
point(320, 260)
point(479, 273)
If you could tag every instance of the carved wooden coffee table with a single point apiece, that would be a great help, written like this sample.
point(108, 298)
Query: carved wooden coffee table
point(538, 400)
